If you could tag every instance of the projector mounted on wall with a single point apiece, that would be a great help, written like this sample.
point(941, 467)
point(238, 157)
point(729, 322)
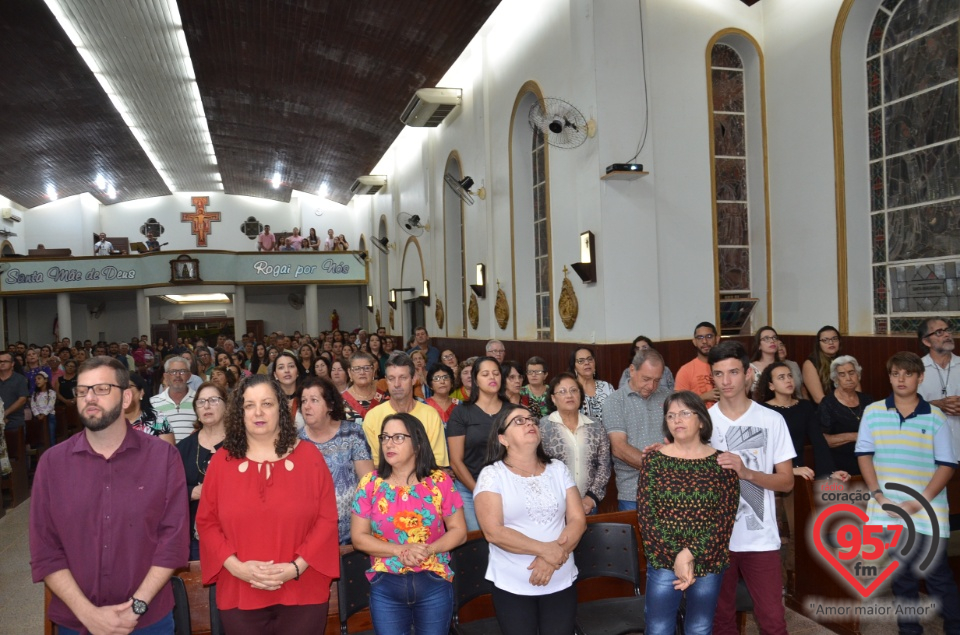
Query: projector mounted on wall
point(430, 106)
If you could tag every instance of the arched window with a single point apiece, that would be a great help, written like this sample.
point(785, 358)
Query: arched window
point(530, 212)
point(913, 123)
point(454, 254)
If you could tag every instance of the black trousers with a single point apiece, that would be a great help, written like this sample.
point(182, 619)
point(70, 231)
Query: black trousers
point(552, 614)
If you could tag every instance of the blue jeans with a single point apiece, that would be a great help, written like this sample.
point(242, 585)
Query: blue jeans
point(163, 627)
point(663, 601)
point(420, 600)
point(941, 586)
point(469, 513)
point(627, 506)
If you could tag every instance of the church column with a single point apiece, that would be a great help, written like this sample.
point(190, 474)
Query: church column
point(239, 312)
point(311, 324)
point(143, 314)
point(64, 321)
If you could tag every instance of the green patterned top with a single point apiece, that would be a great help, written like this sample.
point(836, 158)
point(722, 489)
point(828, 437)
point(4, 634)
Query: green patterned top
point(688, 503)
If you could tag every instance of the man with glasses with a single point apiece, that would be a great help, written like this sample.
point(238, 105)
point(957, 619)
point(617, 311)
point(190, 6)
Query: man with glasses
point(362, 395)
point(13, 392)
point(422, 341)
point(633, 418)
point(695, 375)
point(88, 494)
point(176, 402)
point(400, 372)
point(941, 378)
point(496, 350)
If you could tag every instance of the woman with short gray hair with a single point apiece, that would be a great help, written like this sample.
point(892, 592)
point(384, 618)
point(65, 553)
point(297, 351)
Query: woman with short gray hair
point(840, 412)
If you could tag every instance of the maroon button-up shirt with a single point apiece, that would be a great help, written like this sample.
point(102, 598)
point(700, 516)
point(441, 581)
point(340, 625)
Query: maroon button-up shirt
point(109, 520)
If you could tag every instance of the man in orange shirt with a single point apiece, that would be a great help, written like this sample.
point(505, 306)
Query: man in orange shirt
point(695, 375)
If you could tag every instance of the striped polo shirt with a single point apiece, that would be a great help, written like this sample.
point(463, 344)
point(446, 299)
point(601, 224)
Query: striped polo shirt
point(180, 416)
point(907, 451)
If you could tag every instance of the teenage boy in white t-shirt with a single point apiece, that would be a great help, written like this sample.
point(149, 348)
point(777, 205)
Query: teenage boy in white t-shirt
point(755, 443)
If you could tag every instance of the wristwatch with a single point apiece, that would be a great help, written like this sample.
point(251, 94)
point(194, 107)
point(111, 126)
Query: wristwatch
point(876, 492)
point(139, 606)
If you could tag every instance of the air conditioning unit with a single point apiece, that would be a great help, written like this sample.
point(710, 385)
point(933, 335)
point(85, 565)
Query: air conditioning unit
point(8, 214)
point(430, 106)
point(369, 184)
point(196, 315)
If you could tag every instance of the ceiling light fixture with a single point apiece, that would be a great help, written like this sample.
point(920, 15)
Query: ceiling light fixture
point(101, 182)
point(111, 192)
point(190, 298)
point(51, 192)
point(276, 180)
point(323, 191)
point(184, 159)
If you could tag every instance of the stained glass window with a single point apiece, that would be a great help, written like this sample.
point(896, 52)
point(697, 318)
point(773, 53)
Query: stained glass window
point(913, 122)
point(730, 170)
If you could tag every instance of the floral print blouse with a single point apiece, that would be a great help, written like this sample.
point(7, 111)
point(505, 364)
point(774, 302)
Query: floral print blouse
point(408, 514)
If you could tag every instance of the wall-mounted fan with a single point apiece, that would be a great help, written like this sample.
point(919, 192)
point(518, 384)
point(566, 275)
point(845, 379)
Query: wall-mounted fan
point(561, 123)
point(382, 244)
point(412, 224)
point(295, 300)
point(97, 311)
point(361, 257)
point(462, 188)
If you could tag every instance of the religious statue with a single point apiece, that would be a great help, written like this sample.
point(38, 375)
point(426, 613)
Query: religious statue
point(334, 321)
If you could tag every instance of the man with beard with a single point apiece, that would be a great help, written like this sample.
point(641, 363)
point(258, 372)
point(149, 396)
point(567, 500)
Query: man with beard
point(941, 383)
point(695, 375)
point(108, 518)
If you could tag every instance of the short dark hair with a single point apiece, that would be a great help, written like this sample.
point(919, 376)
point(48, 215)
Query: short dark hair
point(400, 359)
point(440, 368)
point(728, 349)
point(905, 360)
point(329, 393)
point(496, 451)
point(425, 463)
point(556, 382)
point(535, 361)
point(99, 361)
point(708, 325)
point(507, 365)
point(572, 365)
point(695, 404)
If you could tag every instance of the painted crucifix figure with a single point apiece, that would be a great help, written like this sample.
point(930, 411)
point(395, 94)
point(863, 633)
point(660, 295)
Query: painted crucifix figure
point(200, 220)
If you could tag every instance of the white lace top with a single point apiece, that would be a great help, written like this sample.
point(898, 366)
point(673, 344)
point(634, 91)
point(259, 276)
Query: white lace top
point(536, 507)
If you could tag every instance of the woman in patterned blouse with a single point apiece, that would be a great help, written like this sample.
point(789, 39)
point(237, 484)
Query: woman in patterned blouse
point(577, 440)
point(583, 364)
point(686, 504)
point(407, 516)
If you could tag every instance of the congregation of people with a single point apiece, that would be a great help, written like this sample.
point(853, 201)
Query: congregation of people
point(294, 241)
point(279, 450)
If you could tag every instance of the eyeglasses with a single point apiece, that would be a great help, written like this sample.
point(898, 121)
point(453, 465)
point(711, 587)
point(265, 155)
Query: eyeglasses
point(940, 332)
point(449, 357)
point(830, 340)
point(361, 369)
point(710, 337)
point(100, 390)
point(536, 372)
point(524, 421)
point(178, 372)
point(674, 416)
point(440, 378)
point(209, 401)
point(563, 392)
point(396, 439)
point(584, 360)
point(497, 351)
point(766, 339)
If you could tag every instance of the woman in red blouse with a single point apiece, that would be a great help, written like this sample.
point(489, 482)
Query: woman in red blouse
point(268, 519)
point(441, 383)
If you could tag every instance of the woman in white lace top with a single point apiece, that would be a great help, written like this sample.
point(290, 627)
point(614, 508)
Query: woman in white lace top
point(529, 510)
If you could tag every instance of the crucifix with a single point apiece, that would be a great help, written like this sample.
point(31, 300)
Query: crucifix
point(200, 220)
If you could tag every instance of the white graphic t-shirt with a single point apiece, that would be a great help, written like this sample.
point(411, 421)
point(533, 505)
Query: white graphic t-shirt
point(761, 438)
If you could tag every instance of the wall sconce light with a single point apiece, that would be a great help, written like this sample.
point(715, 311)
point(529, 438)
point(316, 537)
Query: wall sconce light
point(370, 303)
point(480, 288)
point(425, 294)
point(393, 294)
point(587, 267)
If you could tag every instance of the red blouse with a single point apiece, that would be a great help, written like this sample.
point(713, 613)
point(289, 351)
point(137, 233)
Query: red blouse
point(269, 511)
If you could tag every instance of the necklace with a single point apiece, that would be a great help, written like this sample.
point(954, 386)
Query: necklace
point(520, 469)
point(202, 470)
point(856, 412)
point(943, 383)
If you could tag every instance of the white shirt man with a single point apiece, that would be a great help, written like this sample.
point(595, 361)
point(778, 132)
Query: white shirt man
point(103, 247)
point(176, 402)
point(941, 377)
point(755, 443)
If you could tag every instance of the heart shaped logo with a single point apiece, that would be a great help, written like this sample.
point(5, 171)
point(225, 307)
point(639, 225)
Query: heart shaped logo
point(831, 558)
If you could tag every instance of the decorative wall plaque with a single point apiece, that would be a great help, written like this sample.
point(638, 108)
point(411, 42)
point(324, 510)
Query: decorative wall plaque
point(473, 311)
point(391, 319)
point(501, 309)
point(152, 226)
point(251, 227)
point(439, 313)
point(378, 320)
point(569, 307)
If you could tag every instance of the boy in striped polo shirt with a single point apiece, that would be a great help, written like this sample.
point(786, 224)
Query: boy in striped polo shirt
point(905, 440)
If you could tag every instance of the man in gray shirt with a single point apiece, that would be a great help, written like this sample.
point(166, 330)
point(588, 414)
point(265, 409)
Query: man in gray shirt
point(633, 417)
point(13, 392)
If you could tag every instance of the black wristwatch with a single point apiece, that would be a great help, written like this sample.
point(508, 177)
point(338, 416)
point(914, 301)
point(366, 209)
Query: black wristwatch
point(876, 492)
point(139, 606)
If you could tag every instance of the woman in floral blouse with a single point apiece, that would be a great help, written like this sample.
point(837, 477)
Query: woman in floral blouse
point(407, 516)
point(686, 505)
